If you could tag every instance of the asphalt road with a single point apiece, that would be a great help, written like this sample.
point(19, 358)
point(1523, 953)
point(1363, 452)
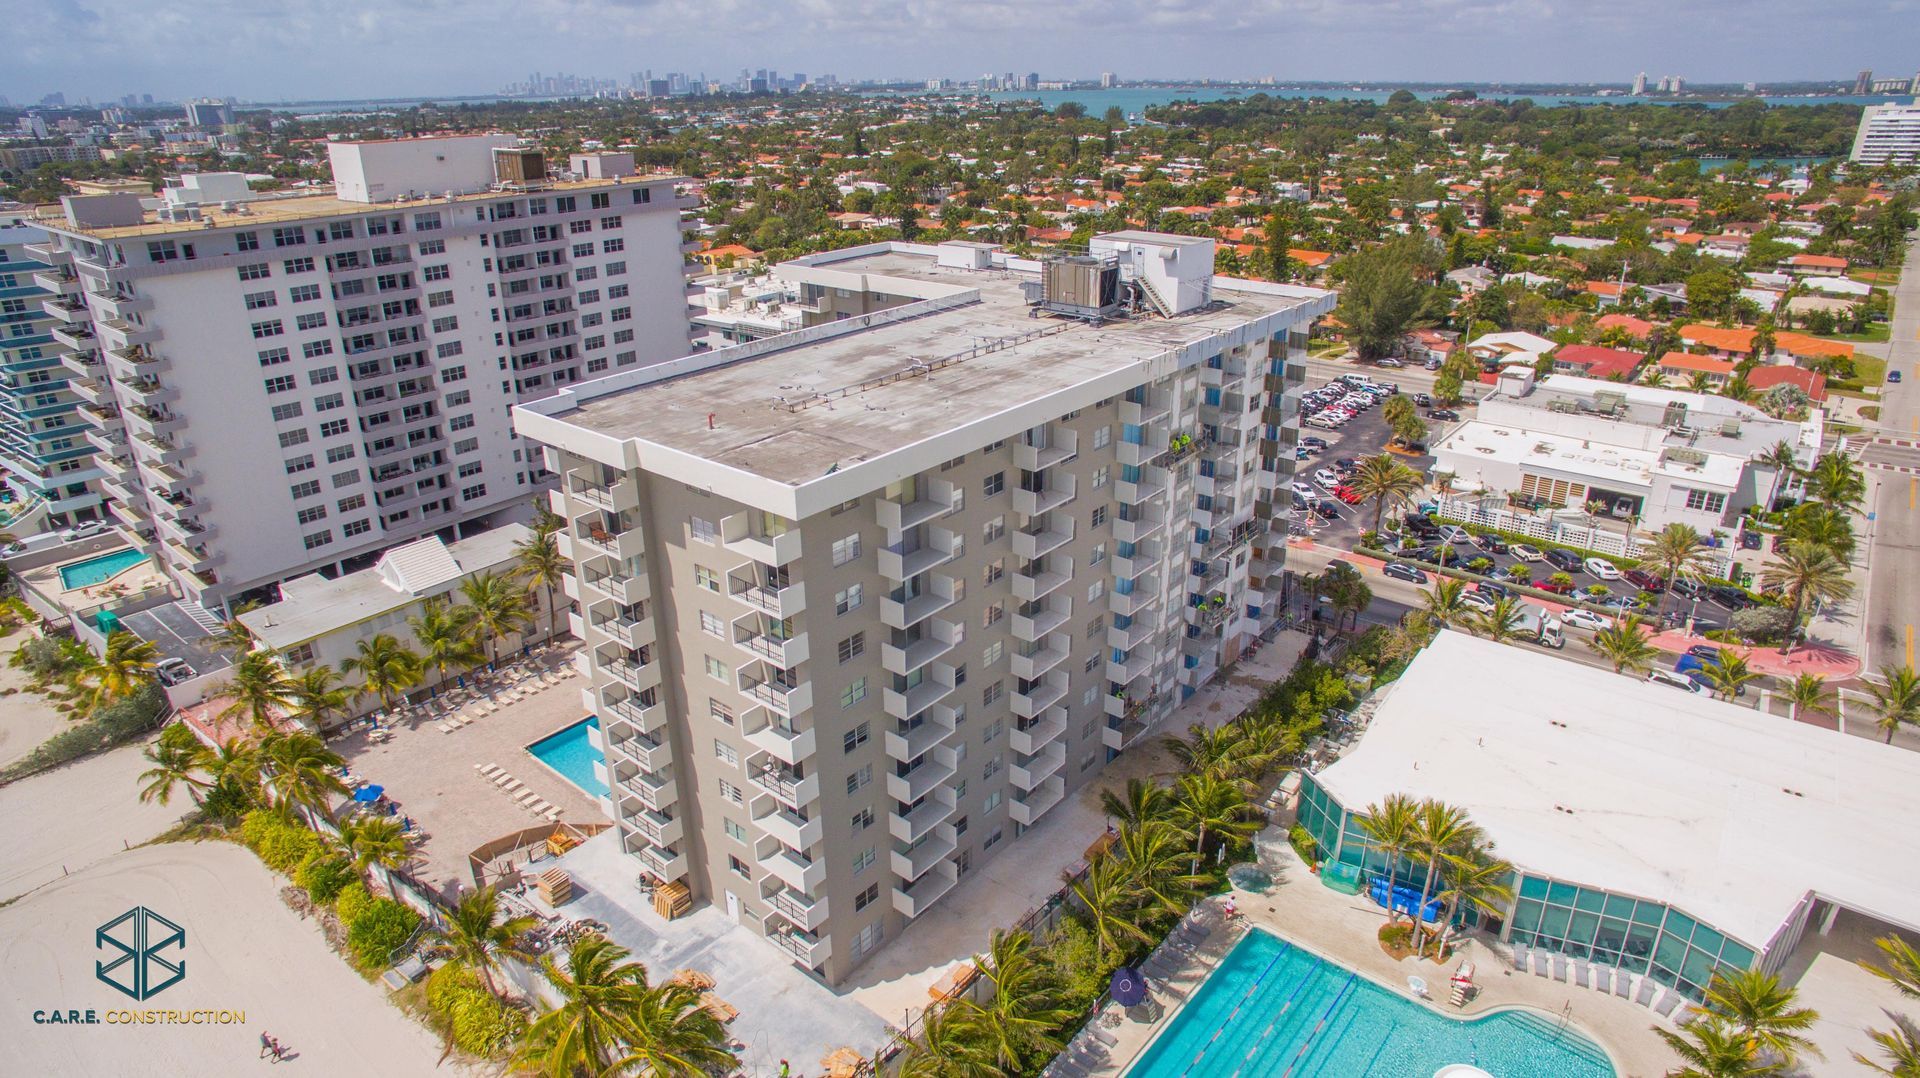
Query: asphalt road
point(1893, 473)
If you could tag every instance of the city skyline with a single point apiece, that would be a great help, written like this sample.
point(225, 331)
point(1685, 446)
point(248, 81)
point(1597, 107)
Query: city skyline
point(104, 49)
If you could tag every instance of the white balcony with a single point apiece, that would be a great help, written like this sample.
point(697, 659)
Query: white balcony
point(913, 900)
point(1145, 523)
point(623, 545)
point(1133, 636)
point(1058, 491)
point(636, 676)
point(59, 281)
point(737, 534)
point(933, 730)
point(784, 652)
point(937, 595)
point(936, 640)
point(1031, 583)
point(935, 768)
point(784, 783)
point(901, 561)
point(633, 632)
point(657, 828)
point(1032, 735)
point(1029, 772)
point(938, 845)
point(655, 790)
point(1113, 738)
point(1044, 537)
point(784, 602)
point(90, 391)
point(772, 735)
point(1135, 665)
point(649, 752)
point(783, 700)
point(665, 862)
point(1145, 593)
point(1027, 808)
point(799, 908)
point(924, 817)
point(1156, 407)
point(119, 333)
point(796, 870)
point(931, 690)
point(624, 707)
point(783, 823)
point(1031, 665)
point(1041, 624)
point(804, 947)
point(897, 517)
point(1029, 705)
point(610, 497)
point(78, 336)
point(1064, 445)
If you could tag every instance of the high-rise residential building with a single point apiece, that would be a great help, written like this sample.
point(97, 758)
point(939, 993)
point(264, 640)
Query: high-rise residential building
point(290, 385)
point(1887, 135)
point(1863, 81)
point(863, 602)
point(1108, 80)
point(1640, 84)
point(209, 113)
point(43, 444)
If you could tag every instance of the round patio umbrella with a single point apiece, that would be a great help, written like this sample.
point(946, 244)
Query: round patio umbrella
point(1128, 988)
point(369, 793)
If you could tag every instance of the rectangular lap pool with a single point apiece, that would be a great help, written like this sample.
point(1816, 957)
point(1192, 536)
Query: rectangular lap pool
point(85, 574)
point(571, 753)
point(1272, 1010)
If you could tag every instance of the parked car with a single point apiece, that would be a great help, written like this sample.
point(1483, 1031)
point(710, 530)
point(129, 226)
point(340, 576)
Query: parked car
point(1312, 442)
point(1422, 525)
point(1327, 477)
point(1455, 534)
point(1477, 600)
point(1646, 581)
point(1523, 552)
point(1400, 570)
point(1433, 364)
point(1424, 400)
point(1347, 494)
point(1582, 618)
point(1446, 414)
point(172, 671)
point(1488, 587)
point(1730, 598)
point(1346, 465)
point(1672, 680)
point(1688, 588)
point(1555, 588)
point(1492, 544)
point(84, 531)
point(1564, 560)
point(1705, 651)
point(1304, 490)
point(1389, 361)
point(1894, 377)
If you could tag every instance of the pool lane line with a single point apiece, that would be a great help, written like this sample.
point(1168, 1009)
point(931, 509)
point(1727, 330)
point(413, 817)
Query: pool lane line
point(1251, 989)
point(1274, 1022)
point(1345, 990)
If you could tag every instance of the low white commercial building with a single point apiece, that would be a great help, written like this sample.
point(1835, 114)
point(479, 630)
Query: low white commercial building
point(1652, 456)
point(1654, 830)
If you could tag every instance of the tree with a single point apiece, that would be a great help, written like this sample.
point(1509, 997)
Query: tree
point(1900, 1046)
point(1626, 646)
point(1476, 880)
point(1710, 1048)
point(1019, 1019)
point(1156, 860)
point(1107, 893)
point(445, 634)
point(387, 667)
point(669, 1032)
point(1729, 673)
point(1446, 601)
point(587, 1032)
point(1384, 295)
point(1824, 526)
point(1348, 593)
point(1500, 624)
point(1900, 965)
point(1384, 479)
point(1676, 553)
point(179, 759)
point(1808, 693)
point(258, 688)
point(1392, 826)
point(1896, 699)
point(317, 697)
point(480, 933)
point(541, 564)
point(302, 772)
point(1143, 801)
point(375, 842)
point(1805, 573)
point(949, 1045)
point(1204, 751)
point(1440, 831)
point(1205, 804)
point(1711, 292)
point(126, 666)
point(1761, 1011)
point(1279, 261)
point(498, 607)
point(1834, 480)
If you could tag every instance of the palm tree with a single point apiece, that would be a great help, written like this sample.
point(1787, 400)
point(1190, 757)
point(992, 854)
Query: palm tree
point(375, 842)
point(1203, 751)
point(585, 1034)
point(386, 666)
point(1625, 644)
point(1144, 800)
point(542, 565)
point(1441, 831)
point(179, 758)
point(1808, 693)
point(1107, 893)
point(1206, 804)
point(949, 1045)
point(1729, 673)
point(1784, 464)
point(1501, 624)
point(1019, 1020)
point(480, 933)
point(1805, 573)
point(258, 688)
point(1675, 553)
point(1475, 880)
point(445, 635)
point(1444, 601)
point(499, 608)
point(1384, 479)
point(1760, 1010)
point(1900, 967)
point(1822, 526)
point(670, 1033)
point(546, 521)
point(1710, 1048)
point(1899, 1045)
point(301, 771)
point(235, 765)
point(1155, 858)
point(123, 669)
point(1896, 699)
point(1834, 480)
point(318, 697)
point(1392, 825)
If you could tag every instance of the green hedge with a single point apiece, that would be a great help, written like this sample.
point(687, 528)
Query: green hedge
point(283, 844)
point(1304, 844)
point(379, 930)
point(323, 876)
point(126, 719)
point(478, 1022)
point(352, 900)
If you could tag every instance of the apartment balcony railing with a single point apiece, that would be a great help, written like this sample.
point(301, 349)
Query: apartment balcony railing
point(1041, 579)
point(655, 790)
point(1042, 622)
point(783, 602)
point(1026, 807)
point(795, 869)
point(800, 909)
point(666, 862)
point(1044, 537)
point(772, 735)
point(1032, 664)
point(1064, 445)
point(786, 784)
point(790, 827)
point(917, 897)
point(650, 752)
point(1029, 771)
point(916, 861)
point(936, 726)
point(934, 769)
point(1033, 735)
point(1040, 697)
point(737, 534)
point(897, 516)
point(919, 821)
point(1057, 491)
point(656, 827)
point(937, 640)
point(784, 700)
point(903, 561)
point(898, 611)
point(804, 947)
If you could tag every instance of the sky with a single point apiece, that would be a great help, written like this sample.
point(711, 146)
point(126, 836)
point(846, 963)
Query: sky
point(306, 49)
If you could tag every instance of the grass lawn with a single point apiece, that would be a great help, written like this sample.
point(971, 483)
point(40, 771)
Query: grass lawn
point(1877, 333)
point(1867, 371)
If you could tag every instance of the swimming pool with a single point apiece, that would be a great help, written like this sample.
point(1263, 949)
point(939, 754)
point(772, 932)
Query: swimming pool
point(571, 752)
point(1271, 1008)
point(85, 574)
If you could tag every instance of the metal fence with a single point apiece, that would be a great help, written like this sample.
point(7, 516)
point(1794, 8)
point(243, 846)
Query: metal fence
point(1715, 561)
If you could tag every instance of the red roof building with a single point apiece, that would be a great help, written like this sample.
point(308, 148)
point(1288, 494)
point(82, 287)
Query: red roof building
point(1812, 383)
point(1592, 361)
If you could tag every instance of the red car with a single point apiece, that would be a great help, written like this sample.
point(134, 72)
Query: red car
point(1563, 588)
point(1646, 581)
point(1345, 493)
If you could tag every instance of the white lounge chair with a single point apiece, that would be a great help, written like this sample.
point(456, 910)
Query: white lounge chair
point(444, 728)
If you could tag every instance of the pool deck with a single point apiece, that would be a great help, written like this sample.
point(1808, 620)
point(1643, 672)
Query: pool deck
point(1342, 929)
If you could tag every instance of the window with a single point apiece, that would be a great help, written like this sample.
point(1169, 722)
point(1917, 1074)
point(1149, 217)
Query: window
point(726, 753)
point(711, 624)
point(867, 897)
point(995, 483)
point(846, 550)
point(289, 237)
point(862, 820)
point(291, 438)
point(611, 246)
point(320, 376)
point(703, 529)
point(993, 529)
point(316, 349)
point(994, 613)
point(344, 479)
point(731, 792)
point(246, 241)
point(257, 271)
point(309, 516)
point(257, 300)
point(433, 247)
point(990, 694)
point(1101, 436)
point(283, 412)
point(304, 293)
point(352, 503)
point(273, 356)
point(317, 540)
point(297, 265)
point(993, 570)
point(704, 577)
point(991, 802)
point(1706, 501)
point(717, 670)
point(435, 273)
point(856, 737)
point(447, 324)
point(734, 831)
point(992, 653)
point(846, 599)
point(852, 647)
point(1099, 515)
point(312, 321)
point(1100, 476)
point(270, 328)
point(1098, 555)
point(333, 428)
point(854, 693)
point(355, 527)
point(329, 402)
point(1095, 590)
point(1096, 626)
point(303, 463)
point(281, 384)
point(864, 859)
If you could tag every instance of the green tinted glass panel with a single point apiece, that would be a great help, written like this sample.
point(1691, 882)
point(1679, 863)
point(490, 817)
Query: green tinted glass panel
point(1562, 893)
point(1649, 913)
point(1584, 926)
point(1554, 921)
point(1590, 900)
point(1736, 956)
point(1671, 952)
point(1620, 906)
point(1533, 887)
point(1699, 966)
point(1526, 915)
point(1708, 940)
point(1679, 924)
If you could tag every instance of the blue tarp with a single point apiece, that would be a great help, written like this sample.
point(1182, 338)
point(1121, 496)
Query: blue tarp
point(1404, 899)
point(369, 793)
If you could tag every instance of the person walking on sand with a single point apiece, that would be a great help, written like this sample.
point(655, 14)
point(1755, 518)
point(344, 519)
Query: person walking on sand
point(279, 1052)
point(785, 1070)
point(266, 1044)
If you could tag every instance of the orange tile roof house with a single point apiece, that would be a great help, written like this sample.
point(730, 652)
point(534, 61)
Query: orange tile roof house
point(1801, 346)
point(1592, 361)
point(1721, 342)
point(1817, 265)
point(1682, 366)
point(1638, 328)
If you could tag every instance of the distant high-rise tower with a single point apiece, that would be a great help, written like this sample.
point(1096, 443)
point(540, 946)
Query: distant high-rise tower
point(1640, 84)
point(1863, 81)
point(1108, 80)
point(1675, 84)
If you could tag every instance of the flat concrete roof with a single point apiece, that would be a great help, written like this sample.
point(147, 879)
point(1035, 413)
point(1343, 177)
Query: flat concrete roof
point(1724, 812)
point(1607, 465)
point(731, 414)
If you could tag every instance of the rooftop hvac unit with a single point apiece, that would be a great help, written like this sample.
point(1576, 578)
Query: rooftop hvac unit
point(519, 167)
point(1081, 286)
